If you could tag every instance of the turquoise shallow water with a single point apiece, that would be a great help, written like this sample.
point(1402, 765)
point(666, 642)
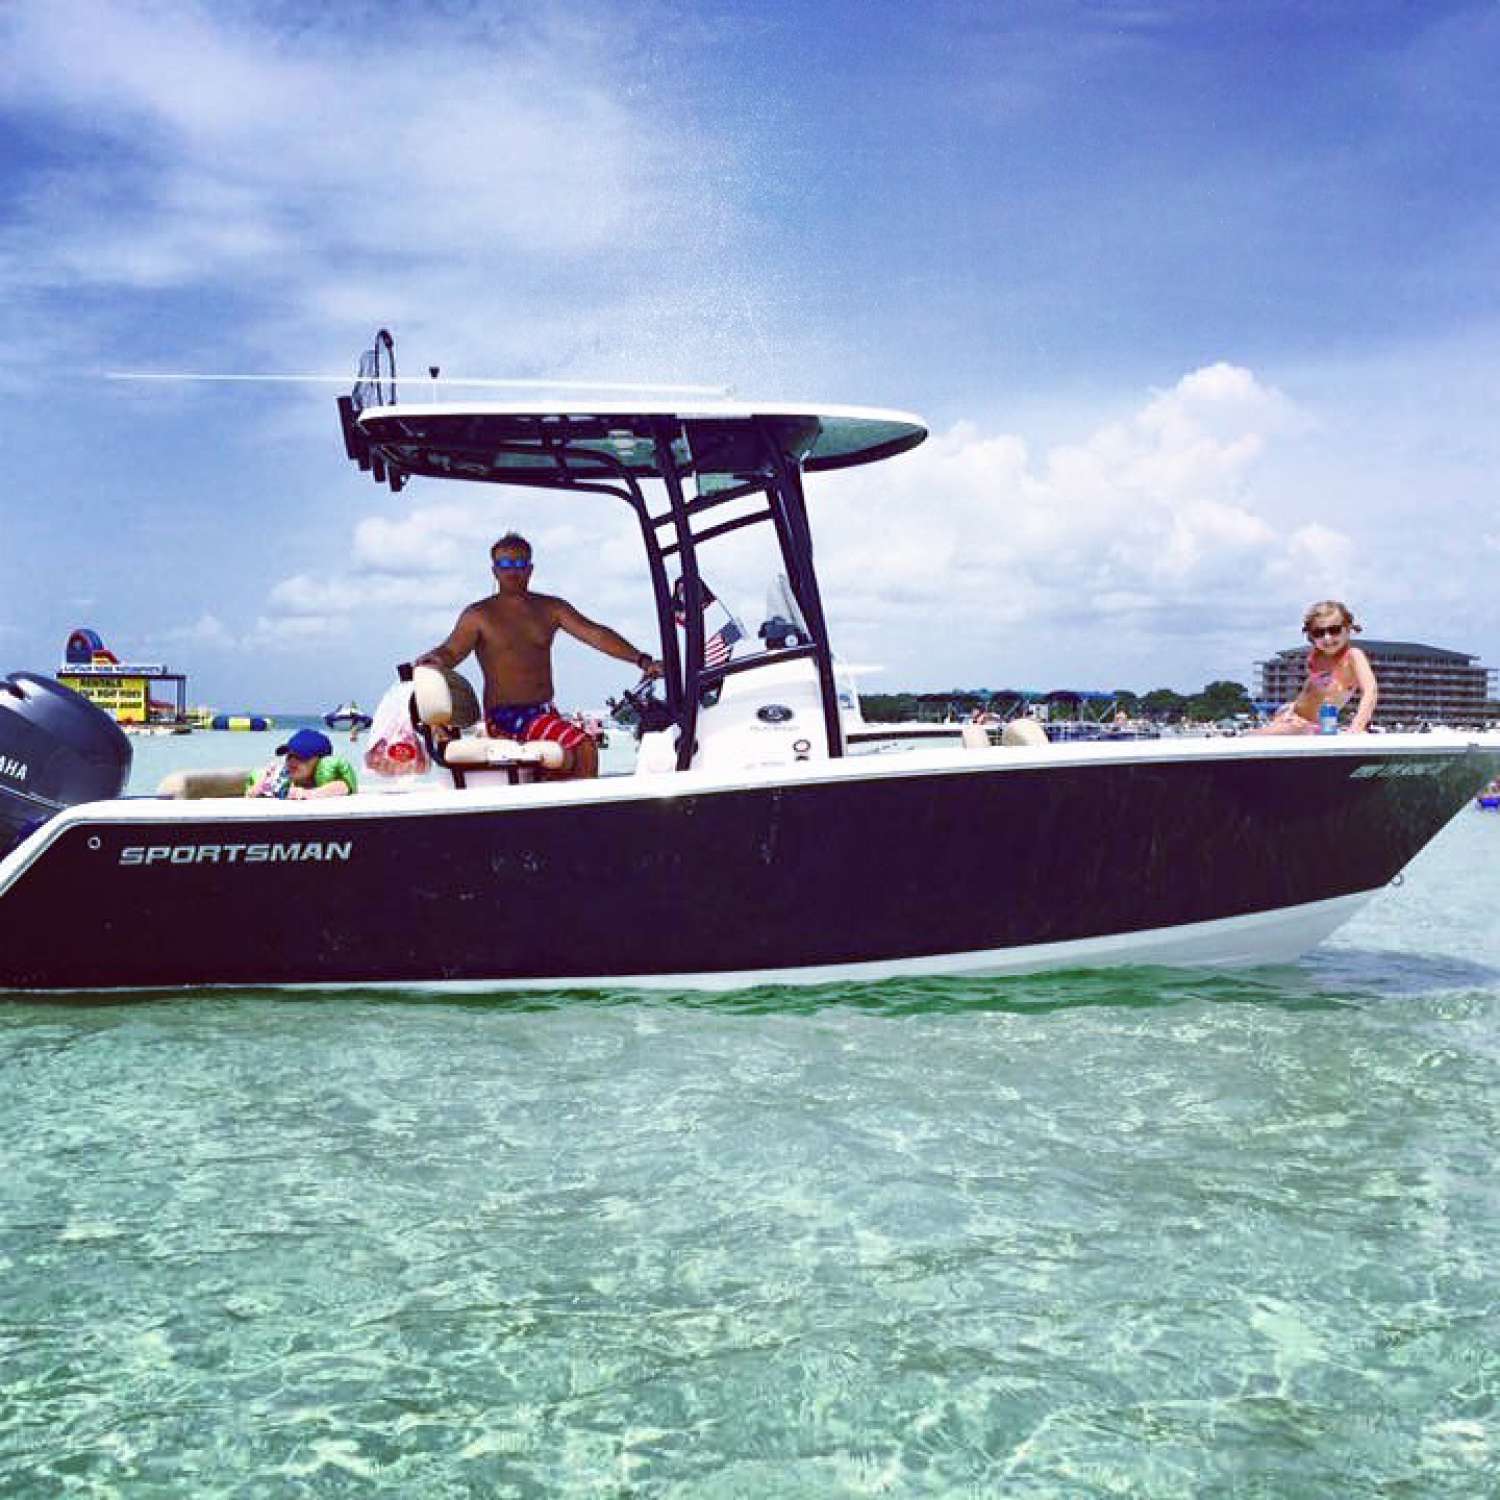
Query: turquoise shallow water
point(1132, 1233)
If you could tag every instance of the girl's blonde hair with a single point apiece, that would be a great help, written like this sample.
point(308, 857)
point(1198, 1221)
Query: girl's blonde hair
point(1330, 607)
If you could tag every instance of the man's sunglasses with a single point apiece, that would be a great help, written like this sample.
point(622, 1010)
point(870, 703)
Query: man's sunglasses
point(509, 564)
point(1318, 632)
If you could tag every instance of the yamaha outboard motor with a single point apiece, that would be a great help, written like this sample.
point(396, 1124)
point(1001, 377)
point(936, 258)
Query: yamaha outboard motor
point(56, 749)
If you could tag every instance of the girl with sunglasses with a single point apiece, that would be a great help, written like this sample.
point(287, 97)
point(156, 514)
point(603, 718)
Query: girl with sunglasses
point(1336, 671)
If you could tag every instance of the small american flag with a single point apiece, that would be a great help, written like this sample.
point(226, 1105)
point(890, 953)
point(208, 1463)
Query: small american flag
point(719, 647)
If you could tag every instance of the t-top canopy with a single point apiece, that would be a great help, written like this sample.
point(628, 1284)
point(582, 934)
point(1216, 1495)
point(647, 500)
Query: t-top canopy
point(536, 443)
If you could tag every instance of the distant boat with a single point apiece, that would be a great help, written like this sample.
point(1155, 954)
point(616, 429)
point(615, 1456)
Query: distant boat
point(348, 716)
point(242, 721)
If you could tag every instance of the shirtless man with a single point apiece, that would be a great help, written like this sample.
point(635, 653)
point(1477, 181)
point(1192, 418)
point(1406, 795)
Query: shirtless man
point(511, 635)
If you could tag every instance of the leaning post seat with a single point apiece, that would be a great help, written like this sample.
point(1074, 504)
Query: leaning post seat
point(441, 699)
point(446, 713)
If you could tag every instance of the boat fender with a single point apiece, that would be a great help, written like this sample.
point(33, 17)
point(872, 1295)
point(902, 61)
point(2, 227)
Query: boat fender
point(194, 785)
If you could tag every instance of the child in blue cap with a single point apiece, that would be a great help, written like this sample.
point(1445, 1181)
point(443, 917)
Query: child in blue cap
point(309, 769)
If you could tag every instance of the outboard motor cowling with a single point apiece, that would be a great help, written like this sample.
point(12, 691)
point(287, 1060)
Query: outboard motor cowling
point(56, 749)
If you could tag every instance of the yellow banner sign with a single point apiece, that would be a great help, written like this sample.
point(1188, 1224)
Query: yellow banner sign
point(123, 697)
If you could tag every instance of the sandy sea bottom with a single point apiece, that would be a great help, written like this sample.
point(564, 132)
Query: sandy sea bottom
point(1127, 1233)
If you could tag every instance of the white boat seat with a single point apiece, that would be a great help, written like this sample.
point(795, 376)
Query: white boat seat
point(447, 714)
point(443, 699)
point(480, 750)
point(1023, 732)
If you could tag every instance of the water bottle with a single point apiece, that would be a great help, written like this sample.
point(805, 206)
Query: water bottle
point(1328, 719)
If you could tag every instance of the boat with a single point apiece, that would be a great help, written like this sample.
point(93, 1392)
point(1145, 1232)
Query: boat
point(347, 716)
point(747, 845)
point(1488, 797)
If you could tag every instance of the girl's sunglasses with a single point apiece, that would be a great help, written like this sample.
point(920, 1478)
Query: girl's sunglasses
point(1319, 632)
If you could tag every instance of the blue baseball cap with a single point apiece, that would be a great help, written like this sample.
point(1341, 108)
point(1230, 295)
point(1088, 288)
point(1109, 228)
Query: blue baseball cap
point(307, 744)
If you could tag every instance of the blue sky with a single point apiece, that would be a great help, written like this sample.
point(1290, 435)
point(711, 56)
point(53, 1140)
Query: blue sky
point(1199, 299)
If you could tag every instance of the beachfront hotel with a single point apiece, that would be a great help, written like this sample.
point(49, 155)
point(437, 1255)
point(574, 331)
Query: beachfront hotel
point(1418, 684)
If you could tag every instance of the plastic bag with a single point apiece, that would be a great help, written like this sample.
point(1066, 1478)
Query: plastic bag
point(396, 749)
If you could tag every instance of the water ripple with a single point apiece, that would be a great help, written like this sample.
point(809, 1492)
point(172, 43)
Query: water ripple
point(1130, 1233)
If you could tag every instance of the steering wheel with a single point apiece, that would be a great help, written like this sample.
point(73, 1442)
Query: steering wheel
point(639, 709)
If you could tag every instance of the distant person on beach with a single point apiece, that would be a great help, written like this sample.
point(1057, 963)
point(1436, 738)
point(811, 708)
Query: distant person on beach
point(511, 635)
point(308, 768)
point(1336, 671)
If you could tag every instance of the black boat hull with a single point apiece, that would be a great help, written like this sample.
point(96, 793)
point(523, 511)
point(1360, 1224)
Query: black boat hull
point(992, 866)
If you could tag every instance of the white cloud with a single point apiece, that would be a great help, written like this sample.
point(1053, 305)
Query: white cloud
point(240, 143)
point(288, 633)
point(435, 176)
point(424, 566)
point(443, 539)
point(207, 630)
point(1150, 514)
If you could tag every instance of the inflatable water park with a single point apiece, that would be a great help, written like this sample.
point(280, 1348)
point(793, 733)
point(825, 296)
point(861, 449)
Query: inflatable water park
point(242, 721)
point(137, 695)
point(141, 697)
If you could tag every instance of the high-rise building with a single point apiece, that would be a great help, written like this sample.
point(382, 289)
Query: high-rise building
point(1418, 684)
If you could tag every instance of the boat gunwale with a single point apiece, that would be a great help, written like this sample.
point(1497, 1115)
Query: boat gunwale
point(439, 799)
